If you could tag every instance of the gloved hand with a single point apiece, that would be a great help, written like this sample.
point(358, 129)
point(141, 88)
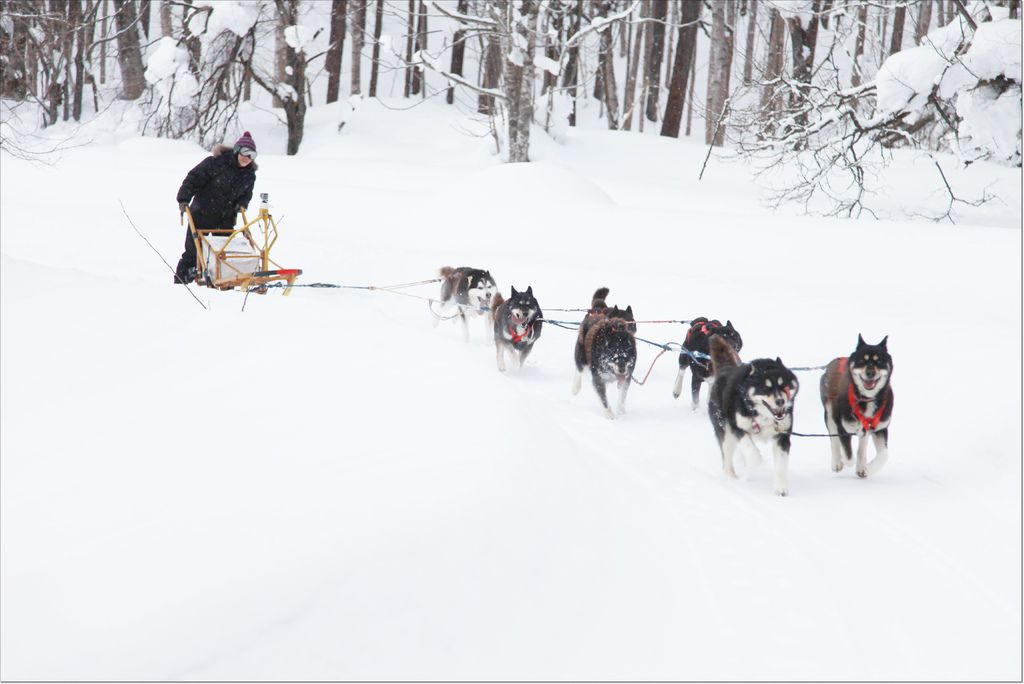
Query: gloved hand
point(182, 206)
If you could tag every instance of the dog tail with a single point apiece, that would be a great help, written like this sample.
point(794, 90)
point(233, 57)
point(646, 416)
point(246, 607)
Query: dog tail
point(496, 302)
point(598, 300)
point(446, 271)
point(722, 355)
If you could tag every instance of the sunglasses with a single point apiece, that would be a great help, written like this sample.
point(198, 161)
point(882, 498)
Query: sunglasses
point(246, 152)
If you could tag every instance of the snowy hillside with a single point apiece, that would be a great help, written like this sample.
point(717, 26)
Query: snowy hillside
point(325, 486)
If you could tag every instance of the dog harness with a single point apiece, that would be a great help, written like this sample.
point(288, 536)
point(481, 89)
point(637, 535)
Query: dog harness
point(869, 424)
point(705, 327)
point(516, 337)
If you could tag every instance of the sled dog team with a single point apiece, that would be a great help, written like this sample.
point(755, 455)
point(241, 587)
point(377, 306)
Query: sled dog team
point(750, 401)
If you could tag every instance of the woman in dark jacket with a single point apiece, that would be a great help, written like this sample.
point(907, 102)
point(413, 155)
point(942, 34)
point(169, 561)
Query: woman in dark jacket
point(218, 188)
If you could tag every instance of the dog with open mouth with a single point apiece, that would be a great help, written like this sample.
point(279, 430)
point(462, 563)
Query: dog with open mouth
point(470, 289)
point(856, 392)
point(753, 402)
point(517, 325)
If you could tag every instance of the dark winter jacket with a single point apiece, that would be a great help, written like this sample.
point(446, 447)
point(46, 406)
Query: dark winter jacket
point(216, 186)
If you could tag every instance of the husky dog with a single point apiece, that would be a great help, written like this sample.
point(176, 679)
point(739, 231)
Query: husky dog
point(610, 350)
point(517, 325)
point(599, 310)
point(857, 395)
point(471, 289)
point(701, 329)
point(754, 401)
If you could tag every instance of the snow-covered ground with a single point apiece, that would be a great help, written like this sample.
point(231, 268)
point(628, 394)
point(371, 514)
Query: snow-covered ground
point(325, 486)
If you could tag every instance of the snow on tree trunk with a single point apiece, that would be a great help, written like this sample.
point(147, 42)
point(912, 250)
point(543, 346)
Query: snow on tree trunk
point(521, 31)
point(771, 98)
point(458, 50)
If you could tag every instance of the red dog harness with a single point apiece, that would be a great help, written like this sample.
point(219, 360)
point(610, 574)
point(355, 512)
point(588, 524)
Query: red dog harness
point(517, 338)
point(705, 327)
point(869, 424)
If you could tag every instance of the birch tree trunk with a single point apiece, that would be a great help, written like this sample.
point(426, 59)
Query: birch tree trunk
point(519, 84)
point(280, 58)
point(606, 62)
point(358, 33)
point(718, 64)
point(771, 100)
point(294, 77)
point(335, 49)
point(570, 77)
point(630, 98)
point(129, 56)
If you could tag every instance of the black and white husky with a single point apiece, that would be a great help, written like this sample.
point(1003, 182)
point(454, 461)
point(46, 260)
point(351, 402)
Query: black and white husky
point(753, 401)
point(606, 345)
point(471, 289)
point(700, 331)
point(857, 395)
point(517, 325)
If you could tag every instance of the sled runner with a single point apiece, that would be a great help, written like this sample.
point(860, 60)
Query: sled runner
point(229, 259)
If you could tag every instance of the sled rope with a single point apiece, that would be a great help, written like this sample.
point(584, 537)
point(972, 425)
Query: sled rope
point(158, 253)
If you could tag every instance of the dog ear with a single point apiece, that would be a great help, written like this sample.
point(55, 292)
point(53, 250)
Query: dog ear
point(514, 293)
point(882, 344)
point(728, 324)
point(860, 341)
point(529, 290)
point(779, 361)
point(629, 310)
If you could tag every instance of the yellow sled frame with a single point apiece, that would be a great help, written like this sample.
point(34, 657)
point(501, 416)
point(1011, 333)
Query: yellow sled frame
point(225, 271)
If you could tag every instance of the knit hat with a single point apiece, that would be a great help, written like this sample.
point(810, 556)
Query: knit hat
point(245, 143)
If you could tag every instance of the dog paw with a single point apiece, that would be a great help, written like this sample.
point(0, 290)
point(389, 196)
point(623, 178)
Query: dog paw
point(675, 395)
point(862, 473)
point(837, 467)
point(730, 473)
point(782, 492)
